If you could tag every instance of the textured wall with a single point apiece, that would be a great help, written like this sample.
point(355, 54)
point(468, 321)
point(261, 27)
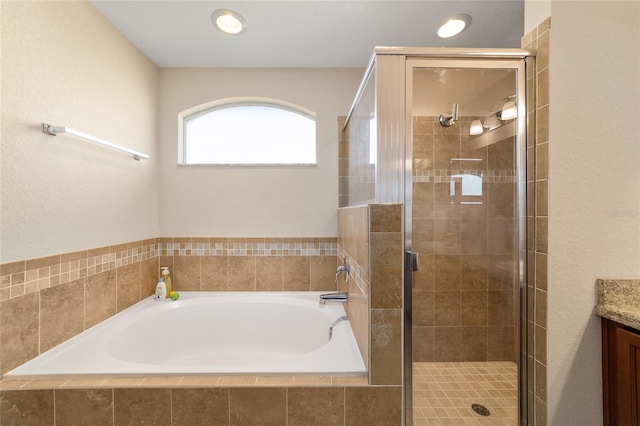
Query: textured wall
point(65, 64)
point(246, 201)
point(594, 191)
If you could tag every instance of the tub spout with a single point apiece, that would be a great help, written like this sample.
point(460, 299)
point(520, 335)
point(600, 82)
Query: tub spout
point(334, 297)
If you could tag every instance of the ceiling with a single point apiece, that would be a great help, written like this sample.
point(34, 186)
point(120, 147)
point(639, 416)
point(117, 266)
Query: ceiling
point(305, 33)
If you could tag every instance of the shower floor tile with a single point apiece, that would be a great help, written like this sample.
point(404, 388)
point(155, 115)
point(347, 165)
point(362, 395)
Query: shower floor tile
point(443, 393)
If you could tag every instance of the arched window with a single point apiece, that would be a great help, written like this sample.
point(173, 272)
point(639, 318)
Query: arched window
point(247, 132)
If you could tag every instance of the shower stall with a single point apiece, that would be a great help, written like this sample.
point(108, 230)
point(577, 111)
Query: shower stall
point(444, 133)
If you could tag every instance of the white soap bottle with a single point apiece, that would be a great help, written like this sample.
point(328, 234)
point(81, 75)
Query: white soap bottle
point(161, 290)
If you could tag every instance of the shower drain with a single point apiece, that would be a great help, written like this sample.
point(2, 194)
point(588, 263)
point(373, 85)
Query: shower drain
point(481, 409)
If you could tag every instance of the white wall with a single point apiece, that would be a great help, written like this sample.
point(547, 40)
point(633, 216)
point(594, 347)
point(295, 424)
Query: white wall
point(594, 192)
point(253, 201)
point(535, 11)
point(65, 64)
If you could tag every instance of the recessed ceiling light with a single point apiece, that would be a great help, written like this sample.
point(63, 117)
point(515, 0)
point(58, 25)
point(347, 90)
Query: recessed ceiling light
point(229, 21)
point(454, 26)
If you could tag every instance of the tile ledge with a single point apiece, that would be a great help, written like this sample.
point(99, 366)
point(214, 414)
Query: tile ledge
point(227, 381)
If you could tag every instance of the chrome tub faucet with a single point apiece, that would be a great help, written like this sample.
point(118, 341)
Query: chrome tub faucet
point(334, 297)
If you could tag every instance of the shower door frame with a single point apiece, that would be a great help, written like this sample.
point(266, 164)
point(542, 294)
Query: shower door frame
point(508, 59)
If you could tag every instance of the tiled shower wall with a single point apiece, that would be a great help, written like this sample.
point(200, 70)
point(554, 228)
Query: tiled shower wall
point(464, 291)
point(537, 215)
point(48, 300)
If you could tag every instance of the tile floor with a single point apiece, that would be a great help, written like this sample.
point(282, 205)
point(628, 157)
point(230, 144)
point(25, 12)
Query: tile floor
point(443, 393)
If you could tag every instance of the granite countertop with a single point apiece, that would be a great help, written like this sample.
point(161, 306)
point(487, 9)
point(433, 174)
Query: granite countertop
point(619, 301)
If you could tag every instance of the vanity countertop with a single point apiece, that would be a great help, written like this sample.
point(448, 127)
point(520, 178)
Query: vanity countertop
point(619, 301)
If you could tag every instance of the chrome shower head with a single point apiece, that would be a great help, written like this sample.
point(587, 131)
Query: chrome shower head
point(448, 120)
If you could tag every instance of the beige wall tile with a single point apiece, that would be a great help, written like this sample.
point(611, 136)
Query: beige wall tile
point(61, 313)
point(12, 268)
point(542, 198)
point(448, 308)
point(237, 381)
point(423, 236)
point(99, 297)
point(191, 407)
point(424, 279)
point(205, 381)
point(269, 273)
point(501, 200)
point(258, 406)
point(19, 328)
point(473, 273)
point(358, 313)
point(541, 234)
point(541, 308)
point(541, 344)
point(242, 273)
point(473, 236)
point(42, 262)
point(27, 408)
point(128, 283)
point(501, 273)
point(385, 217)
point(446, 236)
point(423, 200)
point(473, 344)
point(312, 380)
point(386, 347)
point(215, 273)
point(323, 273)
point(501, 344)
point(186, 273)
point(422, 344)
point(366, 406)
point(543, 88)
point(386, 270)
point(423, 303)
point(447, 273)
point(82, 407)
point(142, 406)
point(296, 274)
point(501, 236)
point(315, 407)
point(446, 340)
point(445, 147)
point(501, 155)
point(474, 309)
point(542, 161)
point(501, 309)
point(149, 274)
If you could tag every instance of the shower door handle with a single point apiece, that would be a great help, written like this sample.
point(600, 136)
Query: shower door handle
point(412, 261)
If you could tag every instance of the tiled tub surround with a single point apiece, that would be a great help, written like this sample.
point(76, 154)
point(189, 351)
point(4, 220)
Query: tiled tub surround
point(371, 236)
point(49, 300)
point(246, 400)
point(309, 404)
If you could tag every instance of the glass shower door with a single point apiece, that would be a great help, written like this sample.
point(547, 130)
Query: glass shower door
point(464, 204)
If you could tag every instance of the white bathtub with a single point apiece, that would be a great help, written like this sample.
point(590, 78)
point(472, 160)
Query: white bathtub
point(209, 333)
